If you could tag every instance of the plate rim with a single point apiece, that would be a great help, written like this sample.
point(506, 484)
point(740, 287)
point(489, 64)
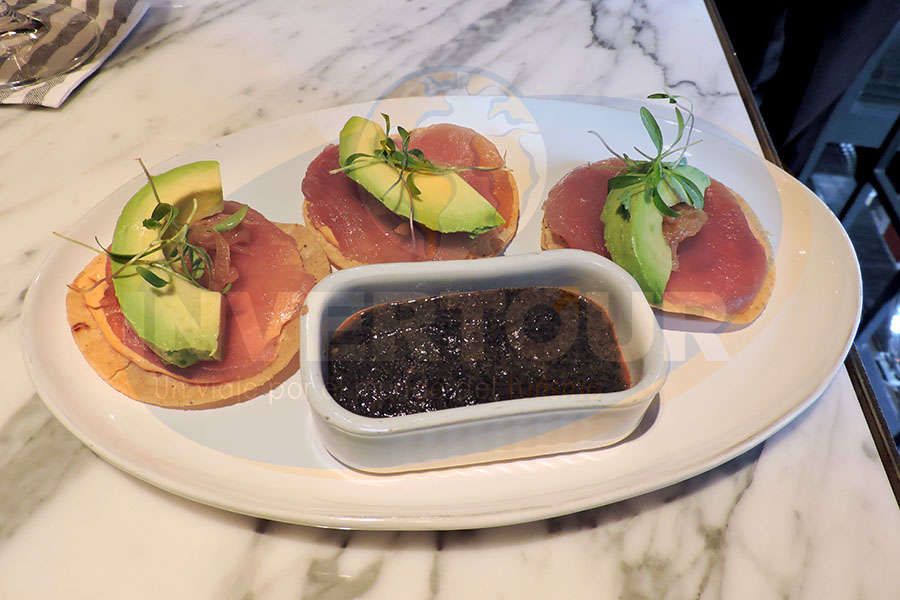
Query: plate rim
point(422, 521)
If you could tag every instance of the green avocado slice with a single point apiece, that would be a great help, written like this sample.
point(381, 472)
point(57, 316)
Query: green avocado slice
point(446, 203)
point(181, 322)
point(636, 242)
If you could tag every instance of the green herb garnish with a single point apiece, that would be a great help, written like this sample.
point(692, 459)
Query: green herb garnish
point(231, 221)
point(657, 180)
point(170, 252)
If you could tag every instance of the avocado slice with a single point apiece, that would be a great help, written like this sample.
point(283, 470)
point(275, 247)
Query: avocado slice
point(636, 243)
point(446, 202)
point(181, 322)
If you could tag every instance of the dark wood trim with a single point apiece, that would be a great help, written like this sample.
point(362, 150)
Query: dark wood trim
point(759, 126)
point(884, 443)
point(881, 435)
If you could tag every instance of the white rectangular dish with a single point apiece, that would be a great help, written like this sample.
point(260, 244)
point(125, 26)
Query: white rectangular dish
point(490, 431)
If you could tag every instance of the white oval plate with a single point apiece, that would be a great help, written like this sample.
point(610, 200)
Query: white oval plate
point(729, 387)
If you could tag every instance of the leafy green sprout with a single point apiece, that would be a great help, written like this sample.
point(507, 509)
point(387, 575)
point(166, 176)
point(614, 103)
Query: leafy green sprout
point(180, 257)
point(408, 161)
point(645, 177)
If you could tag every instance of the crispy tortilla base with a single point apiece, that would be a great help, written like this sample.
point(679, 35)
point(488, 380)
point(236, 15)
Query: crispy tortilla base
point(137, 378)
point(495, 245)
point(551, 241)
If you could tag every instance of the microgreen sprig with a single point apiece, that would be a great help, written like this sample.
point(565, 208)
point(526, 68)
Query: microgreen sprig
point(180, 258)
point(661, 182)
point(409, 162)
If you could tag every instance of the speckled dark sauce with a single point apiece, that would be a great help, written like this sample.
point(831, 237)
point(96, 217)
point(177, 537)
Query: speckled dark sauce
point(470, 348)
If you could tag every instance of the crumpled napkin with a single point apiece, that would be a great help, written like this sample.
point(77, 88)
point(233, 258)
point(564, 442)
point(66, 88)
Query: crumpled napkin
point(116, 19)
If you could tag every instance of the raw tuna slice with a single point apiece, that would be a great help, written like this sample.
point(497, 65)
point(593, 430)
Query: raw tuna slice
point(573, 206)
point(724, 265)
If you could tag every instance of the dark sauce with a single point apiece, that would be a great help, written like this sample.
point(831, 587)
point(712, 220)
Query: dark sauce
point(471, 348)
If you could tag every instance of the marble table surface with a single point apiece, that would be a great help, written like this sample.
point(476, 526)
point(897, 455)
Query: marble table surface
point(807, 514)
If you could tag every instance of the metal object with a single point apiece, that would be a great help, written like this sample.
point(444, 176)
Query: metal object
point(15, 23)
point(41, 41)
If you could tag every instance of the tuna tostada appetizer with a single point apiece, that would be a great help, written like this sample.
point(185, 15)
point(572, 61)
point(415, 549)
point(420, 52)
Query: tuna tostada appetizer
point(194, 304)
point(693, 244)
point(436, 193)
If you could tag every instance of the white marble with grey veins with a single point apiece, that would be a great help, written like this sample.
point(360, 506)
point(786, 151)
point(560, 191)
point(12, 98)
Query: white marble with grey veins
point(807, 515)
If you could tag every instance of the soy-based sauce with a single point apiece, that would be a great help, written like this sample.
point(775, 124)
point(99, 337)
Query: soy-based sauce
point(469, 348)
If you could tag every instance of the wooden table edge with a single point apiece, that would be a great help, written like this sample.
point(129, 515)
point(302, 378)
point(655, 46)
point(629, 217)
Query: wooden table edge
point(884, 443)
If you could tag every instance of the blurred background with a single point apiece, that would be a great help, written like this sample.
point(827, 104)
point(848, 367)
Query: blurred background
point(826, 78)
